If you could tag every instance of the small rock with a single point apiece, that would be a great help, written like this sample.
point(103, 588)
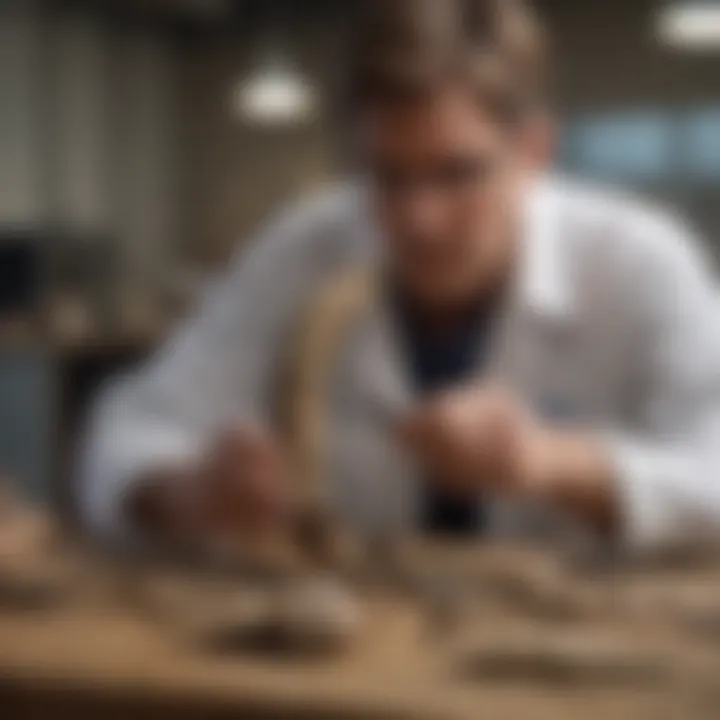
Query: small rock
point(317, 616)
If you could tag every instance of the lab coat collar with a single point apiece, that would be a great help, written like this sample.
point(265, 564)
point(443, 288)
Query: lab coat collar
point(543, 285)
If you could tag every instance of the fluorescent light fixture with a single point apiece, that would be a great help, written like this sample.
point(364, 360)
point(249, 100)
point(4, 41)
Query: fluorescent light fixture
point(275, 94)
point(691, 26)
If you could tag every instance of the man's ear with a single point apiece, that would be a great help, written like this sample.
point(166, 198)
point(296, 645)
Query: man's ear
point(540, 140)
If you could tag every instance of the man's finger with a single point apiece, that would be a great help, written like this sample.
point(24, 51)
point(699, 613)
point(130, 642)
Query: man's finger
point(423, 421)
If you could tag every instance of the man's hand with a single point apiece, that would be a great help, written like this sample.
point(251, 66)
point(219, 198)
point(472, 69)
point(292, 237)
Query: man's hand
point(240, 488)
point(479, 440)
point(243, 484)
point(476, 438)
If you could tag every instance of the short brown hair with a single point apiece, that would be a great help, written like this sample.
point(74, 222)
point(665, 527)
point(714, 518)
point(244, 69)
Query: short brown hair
point(402, 48)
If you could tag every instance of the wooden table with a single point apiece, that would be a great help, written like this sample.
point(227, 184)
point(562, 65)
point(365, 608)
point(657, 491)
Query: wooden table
point(103, 660)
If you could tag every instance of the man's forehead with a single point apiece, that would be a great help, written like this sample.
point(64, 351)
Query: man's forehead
point(448, 117)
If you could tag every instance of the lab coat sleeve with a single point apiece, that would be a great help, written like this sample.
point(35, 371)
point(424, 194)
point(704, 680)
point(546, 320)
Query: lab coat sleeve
point(219, 368)
point(668, 464)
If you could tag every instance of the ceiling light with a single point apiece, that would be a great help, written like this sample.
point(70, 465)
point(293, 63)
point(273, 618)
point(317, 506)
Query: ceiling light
point(693, 26)
point(275, 94)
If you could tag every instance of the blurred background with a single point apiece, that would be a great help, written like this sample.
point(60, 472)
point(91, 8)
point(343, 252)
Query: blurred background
point(142, 140)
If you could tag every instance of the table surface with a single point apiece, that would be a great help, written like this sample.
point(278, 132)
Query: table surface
point(395, 669)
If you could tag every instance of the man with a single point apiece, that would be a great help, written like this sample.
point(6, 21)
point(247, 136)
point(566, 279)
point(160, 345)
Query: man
point(531, 347)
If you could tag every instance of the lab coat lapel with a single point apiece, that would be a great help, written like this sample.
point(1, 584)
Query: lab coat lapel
point(538, 305)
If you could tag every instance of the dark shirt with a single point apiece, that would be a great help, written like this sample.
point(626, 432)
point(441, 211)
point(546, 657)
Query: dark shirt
point(437, 359)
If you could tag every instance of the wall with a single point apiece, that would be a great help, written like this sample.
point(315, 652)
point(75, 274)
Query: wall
point(238, 173)
point(88, 131)
point(20, 176)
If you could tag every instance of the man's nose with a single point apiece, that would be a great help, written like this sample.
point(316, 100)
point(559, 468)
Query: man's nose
point(423, 212)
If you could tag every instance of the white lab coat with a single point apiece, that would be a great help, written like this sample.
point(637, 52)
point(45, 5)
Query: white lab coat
point(611, 324)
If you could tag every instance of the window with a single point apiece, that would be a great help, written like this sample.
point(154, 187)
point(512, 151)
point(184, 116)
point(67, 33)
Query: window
point(701, 145)
point(626, 146)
